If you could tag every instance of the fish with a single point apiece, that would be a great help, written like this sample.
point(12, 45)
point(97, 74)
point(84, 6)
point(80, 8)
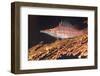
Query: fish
point(64, 30)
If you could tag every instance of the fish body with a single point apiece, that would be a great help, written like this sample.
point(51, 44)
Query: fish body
point(63, 31)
